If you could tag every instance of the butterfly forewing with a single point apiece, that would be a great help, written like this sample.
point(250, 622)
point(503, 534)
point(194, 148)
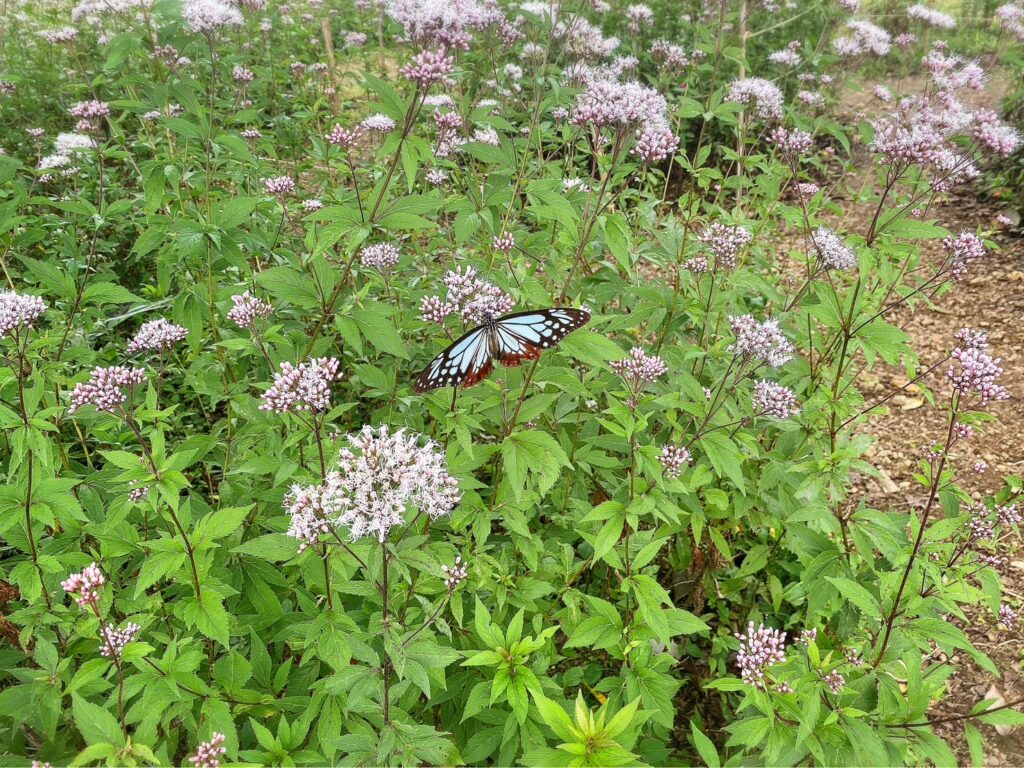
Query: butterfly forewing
point(510, 340)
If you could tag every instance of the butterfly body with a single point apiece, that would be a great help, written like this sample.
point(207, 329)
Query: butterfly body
point(509, 339)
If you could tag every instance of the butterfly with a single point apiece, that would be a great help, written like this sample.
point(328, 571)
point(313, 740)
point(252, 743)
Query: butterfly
point(509, 339)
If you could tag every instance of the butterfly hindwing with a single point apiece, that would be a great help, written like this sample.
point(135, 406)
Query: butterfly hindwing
point(510, 340)
point(465, 362)
point(527, 334)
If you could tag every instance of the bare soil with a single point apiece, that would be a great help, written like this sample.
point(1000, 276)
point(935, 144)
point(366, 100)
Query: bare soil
point(990, 298)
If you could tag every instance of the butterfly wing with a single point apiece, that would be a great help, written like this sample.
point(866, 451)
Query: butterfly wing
point(465, 363)
point(514, 338)
point(524, 335)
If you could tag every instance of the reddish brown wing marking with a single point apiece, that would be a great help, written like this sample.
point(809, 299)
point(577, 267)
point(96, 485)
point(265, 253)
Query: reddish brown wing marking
point(466, 362)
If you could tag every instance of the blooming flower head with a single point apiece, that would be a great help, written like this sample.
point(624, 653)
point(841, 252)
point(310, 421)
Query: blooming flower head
point(377, 124)
point(930, 16)
point(247, 309)
point(762, 341)
point(834, 681)
point(760, 649)
point(474, 299)
point(1011, 18)
point(639, 369)
point(156, 336)
point(379, 476)
point(792, 143)
point(303, 388)
point(771, 399)
point(1008, 616)
point(455, 574)
point(504, 243)
point(726, 242)
point(86, 585)
point(763, 96)
point(962, 251)
point(669, 57)
point(973, 372)
point(209, 753)
point(207, 17)
point(994, 135)
point(17, 311)
point(381, 256)
point(863, 37)
point(428, 68)
point(107, 388)
point(280, 186)
point(673, 459)
point(439, 22)
point(640, 16)
point(832, 252)
point(346, 138)
point(627, 106)
point(655, 142)
point(114, 640)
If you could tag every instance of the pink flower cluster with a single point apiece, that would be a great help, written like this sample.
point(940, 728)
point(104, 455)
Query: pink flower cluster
point(791, 143)
point(381, 256)
point(474, 299)
point(114, 640)
point(378, 477)
point(90, 115)
point(106, 387)
point(930, 16)
point(669, 57)
point(346, 138)
point(832, 252)
point(639, 368)
point(305, 506)
point(863, 37)
point(726, 242)
point(771, 399)
point(303, 388)
point(504, 243)
point(247, 309)
point(444, 23)
point(280, 186)
point(760, 649)
point(628, 107)
point(673, 459)
point(760, 341)
point(209, 753)
point(156, 335)
point(207, 17)
point(763, 96)
point(86, 585)
point(962, 251)
point(18, 310)
point(973, 372)
point(429, 68)
point(1011, 18)
point(454, 575)
point(995, 135)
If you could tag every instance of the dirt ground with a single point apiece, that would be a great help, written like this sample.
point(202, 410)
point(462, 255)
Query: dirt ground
point(990, 298)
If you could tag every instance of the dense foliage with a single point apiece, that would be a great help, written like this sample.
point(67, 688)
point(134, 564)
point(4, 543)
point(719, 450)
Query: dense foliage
point(232, 235)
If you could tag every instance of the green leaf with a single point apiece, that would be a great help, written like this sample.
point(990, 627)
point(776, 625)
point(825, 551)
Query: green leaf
point(273, 547)
point(375, 324)
point(856, 594)
point(555, 717)
point(95, 724)
point(590, 347)
point(704, 746)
